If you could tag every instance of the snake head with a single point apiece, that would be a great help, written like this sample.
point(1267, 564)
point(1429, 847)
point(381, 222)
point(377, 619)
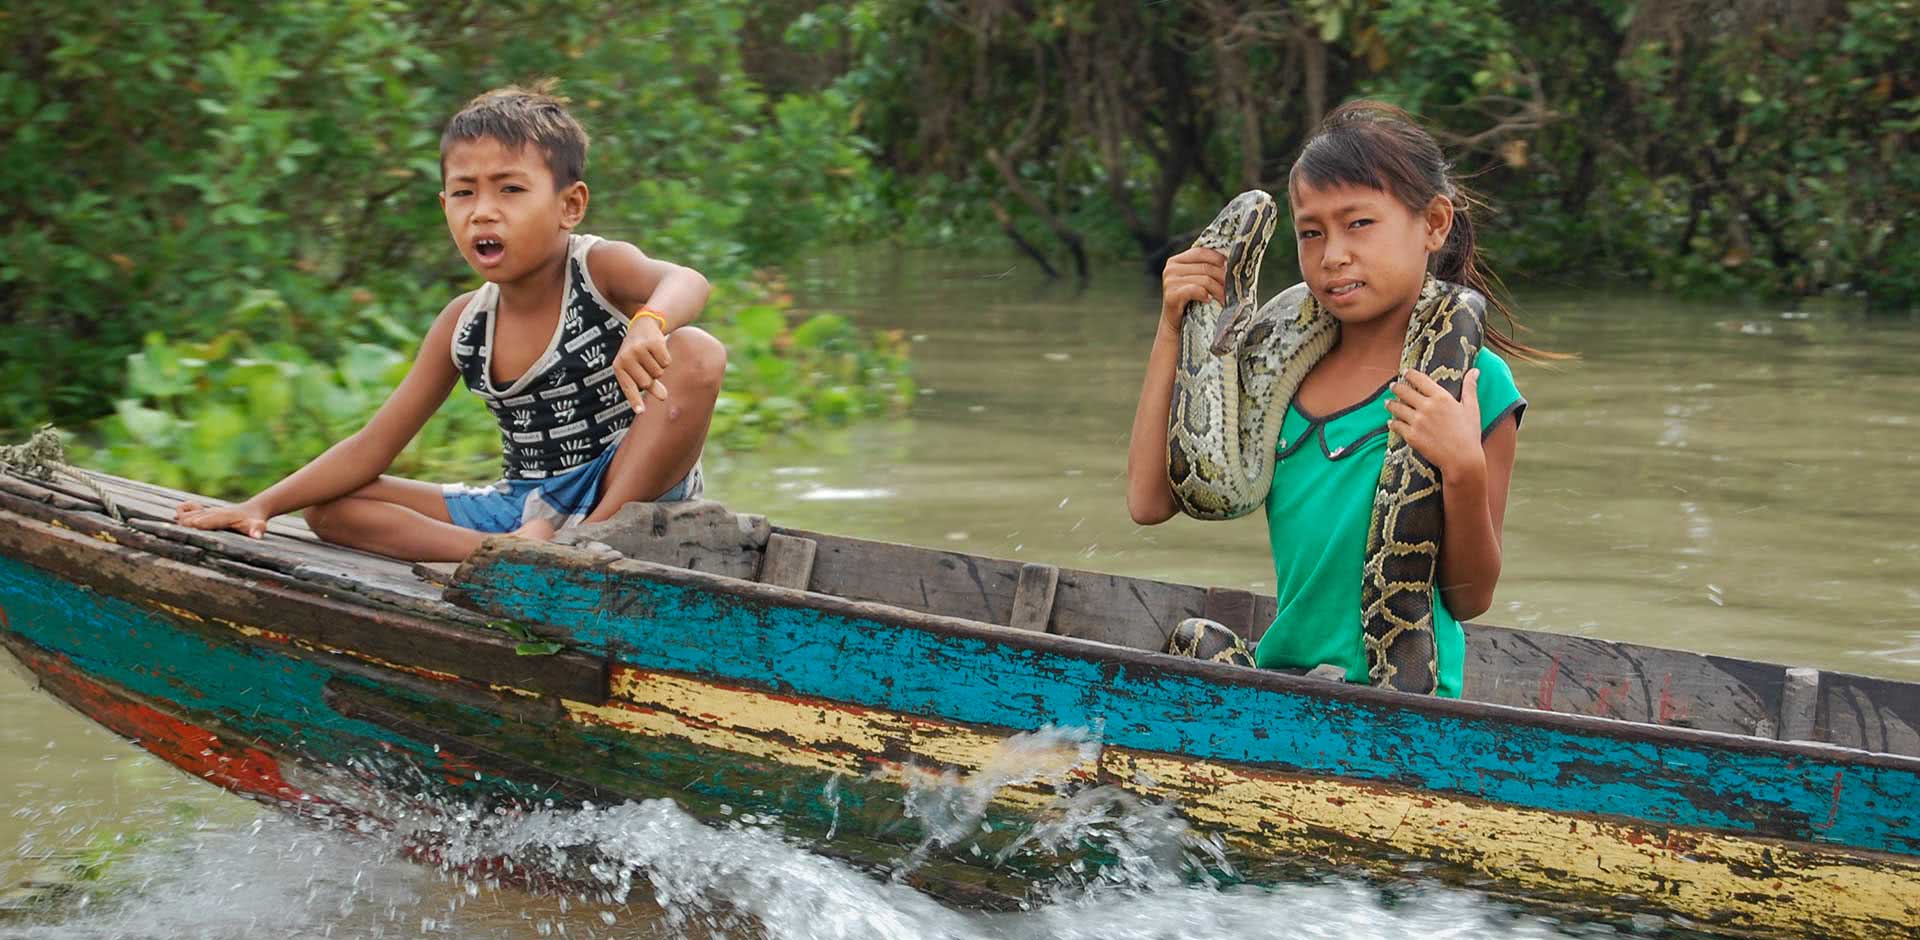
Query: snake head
point(1241, 232)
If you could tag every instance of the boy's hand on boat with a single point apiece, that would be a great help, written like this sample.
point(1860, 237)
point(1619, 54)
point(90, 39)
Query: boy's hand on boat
point(1442, 428)
point(244, 518)
point(642, 359)
point(1196, 274)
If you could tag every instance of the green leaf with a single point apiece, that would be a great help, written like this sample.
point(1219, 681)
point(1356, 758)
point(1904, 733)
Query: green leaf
point(149, 426)
point(543, 648)
point(156, 371)
point(367, 364)
point(761, 325)
point(515, 630)
point(820, 329)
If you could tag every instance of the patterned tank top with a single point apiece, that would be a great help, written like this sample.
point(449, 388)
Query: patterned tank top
point(568, 408)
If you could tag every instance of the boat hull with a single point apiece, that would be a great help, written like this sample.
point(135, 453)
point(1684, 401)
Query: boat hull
point(826, 715)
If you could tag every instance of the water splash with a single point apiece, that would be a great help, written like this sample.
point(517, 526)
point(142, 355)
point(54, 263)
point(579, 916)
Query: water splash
point(286, 879)
point(952, 808)
point(1123, 868)
point(1086, 834)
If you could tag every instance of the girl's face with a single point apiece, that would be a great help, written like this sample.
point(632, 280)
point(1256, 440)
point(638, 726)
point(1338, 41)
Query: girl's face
point(1362, 251)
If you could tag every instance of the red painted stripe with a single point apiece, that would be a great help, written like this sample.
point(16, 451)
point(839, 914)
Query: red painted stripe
point(184, 745)
point(1548, 683)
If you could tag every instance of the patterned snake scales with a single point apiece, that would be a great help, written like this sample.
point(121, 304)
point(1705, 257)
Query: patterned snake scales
point(1238, 369)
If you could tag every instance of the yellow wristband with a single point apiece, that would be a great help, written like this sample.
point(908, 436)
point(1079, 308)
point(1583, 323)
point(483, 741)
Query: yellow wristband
point(648, 312)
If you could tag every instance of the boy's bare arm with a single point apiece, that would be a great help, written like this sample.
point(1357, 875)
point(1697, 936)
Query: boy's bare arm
point(630, 280)
point(359, 459)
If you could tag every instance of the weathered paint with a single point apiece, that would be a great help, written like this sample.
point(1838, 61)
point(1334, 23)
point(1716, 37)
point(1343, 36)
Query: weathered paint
point(825, 736)
point(858, 816)
point(252, 692)
point(754, 692)
point(193, 749)
point(1733, 881)
point(660, 626)
point(248, 630)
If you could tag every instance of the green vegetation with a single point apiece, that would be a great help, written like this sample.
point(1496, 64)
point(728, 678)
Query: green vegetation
point(223, 240)
point(530, 643)
point(1748, 147)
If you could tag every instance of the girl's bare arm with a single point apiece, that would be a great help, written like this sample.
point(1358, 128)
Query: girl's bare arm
point(1475, 470)
point(1476, 508)
point(1194, 274)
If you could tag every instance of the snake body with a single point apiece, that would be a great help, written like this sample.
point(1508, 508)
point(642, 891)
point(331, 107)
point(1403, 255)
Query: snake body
point(1240, 365)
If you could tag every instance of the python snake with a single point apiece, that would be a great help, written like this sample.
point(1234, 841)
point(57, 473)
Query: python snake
point(1241, 363)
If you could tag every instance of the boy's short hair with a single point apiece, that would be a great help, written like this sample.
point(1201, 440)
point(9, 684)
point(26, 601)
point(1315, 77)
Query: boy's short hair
point(519, 115)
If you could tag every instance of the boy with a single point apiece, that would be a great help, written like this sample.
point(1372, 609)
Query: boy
point(564, 342)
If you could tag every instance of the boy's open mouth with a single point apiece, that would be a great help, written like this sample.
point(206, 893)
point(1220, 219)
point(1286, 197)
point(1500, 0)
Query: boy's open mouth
point(489, 248)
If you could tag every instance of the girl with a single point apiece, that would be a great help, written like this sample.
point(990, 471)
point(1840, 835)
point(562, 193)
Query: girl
point(1374, 211)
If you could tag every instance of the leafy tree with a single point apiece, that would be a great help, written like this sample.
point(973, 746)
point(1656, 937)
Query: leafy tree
point(222, 210)
point(1758, 146)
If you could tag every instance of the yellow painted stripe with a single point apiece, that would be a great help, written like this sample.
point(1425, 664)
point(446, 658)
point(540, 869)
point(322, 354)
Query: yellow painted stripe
point(1738, 882)
point(180, 612)
point(818, 737)
point(1758, 884)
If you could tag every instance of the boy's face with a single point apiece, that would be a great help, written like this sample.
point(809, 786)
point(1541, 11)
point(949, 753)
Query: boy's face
point(502, 208)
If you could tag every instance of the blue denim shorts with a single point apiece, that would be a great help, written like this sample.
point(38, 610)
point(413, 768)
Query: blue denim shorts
point(562, 499)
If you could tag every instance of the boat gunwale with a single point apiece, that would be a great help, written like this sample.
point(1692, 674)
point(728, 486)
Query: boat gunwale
point(1624, 729)
point(511, 549)
point(1472, 627)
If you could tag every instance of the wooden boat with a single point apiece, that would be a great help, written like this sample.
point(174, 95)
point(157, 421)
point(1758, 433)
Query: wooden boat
point(739, 667)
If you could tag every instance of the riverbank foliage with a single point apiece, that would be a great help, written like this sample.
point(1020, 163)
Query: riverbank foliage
point(222, 221)
point(1725, 147)
point(224, 237)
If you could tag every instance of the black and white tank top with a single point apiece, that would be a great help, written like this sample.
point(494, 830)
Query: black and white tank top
point(568, 408)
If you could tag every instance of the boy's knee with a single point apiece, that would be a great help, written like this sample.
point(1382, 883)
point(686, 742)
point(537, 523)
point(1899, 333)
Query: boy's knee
point(698, 358)
point(322, 518)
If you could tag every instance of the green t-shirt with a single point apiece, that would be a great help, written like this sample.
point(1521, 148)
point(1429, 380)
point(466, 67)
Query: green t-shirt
point(1318, 511)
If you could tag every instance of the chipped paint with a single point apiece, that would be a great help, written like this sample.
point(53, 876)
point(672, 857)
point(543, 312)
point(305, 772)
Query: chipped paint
point(421, 671)
point(993, 679)
point(260, 633)
point(1278, 771)
point(181, 612)
point(259, 694)
point(1751, 884)
point(184, 745)
point(312, 647)
point(1731, 881)
point(821, 736)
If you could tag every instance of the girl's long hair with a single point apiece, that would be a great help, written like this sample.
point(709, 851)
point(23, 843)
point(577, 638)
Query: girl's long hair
point(1376, 145)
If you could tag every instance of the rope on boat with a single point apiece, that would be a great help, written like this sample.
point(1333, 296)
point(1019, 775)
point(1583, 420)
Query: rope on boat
point(44, 457)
